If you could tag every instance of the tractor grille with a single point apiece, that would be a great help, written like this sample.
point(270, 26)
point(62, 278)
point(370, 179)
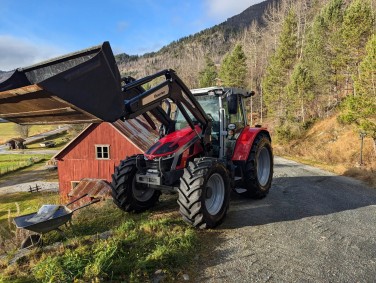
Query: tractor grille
point(162, 165)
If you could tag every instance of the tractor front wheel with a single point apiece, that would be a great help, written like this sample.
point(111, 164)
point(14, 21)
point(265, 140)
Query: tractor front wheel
point(204, 193)
point(126, 193)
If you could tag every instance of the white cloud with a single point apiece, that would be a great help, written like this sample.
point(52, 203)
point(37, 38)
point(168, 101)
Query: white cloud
point(224, 9)
point(18, 52)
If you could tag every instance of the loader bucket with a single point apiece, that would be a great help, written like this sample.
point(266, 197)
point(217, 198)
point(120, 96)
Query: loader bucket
point(80, 87)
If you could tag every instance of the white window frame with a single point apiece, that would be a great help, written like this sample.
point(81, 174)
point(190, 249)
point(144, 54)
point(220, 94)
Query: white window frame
point(101, 147)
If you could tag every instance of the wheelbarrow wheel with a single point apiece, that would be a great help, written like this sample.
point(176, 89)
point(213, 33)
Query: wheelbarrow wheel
point(32, 241)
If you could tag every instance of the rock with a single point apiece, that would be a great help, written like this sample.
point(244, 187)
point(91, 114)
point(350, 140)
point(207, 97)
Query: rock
point(20, 255)
point(158, 276)
point(105, 235)
point(186, 277)
point(53, 247)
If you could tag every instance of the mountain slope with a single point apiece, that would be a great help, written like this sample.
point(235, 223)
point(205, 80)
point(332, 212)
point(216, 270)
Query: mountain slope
point(186, 55)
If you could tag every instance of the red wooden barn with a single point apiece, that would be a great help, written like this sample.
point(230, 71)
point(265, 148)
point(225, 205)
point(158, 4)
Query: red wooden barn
point(98, 149)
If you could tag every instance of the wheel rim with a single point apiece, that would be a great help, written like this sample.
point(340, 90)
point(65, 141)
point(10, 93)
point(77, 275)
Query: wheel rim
point(141, 192)
point(215, 194)
point(263, 166)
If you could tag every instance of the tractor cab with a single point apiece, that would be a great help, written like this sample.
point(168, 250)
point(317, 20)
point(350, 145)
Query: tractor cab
point(226, 109)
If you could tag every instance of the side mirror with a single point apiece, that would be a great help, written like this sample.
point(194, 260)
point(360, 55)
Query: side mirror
point(249, 94)
point(232, 103)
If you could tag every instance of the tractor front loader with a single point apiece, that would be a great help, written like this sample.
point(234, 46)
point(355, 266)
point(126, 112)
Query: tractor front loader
point(205, 150)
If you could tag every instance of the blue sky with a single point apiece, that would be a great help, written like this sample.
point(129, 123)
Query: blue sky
point(31, 31)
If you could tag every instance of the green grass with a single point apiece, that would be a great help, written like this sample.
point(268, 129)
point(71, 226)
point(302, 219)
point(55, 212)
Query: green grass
point(139, 245)
point(14, 162)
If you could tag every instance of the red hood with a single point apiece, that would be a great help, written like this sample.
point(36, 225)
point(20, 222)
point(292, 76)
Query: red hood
point(170, 143)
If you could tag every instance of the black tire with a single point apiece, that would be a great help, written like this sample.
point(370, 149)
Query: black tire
point(204, 193)
point(258, 173)
point(128, 195)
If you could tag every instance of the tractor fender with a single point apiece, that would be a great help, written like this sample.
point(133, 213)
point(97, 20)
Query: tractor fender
point(244, 142)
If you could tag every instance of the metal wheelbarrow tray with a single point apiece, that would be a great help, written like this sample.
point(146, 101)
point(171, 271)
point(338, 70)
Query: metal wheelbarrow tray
point(61, 215)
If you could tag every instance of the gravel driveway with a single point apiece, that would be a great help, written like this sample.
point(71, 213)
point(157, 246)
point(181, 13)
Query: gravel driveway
point(312, 227)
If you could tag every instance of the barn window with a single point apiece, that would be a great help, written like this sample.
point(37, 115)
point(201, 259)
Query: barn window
point(102, 151)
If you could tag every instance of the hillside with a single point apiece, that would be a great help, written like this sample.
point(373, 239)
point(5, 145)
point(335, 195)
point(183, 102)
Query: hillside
point(186, 55)
point(334, 147)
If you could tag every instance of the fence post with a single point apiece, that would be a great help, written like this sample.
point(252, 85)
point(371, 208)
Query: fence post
point(362, 135)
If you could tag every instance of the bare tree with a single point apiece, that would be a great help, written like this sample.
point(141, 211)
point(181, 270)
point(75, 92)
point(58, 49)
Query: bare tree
point(22, 130)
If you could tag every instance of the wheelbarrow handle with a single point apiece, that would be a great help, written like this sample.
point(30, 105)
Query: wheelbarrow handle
point(84, 195)
point(87, 204)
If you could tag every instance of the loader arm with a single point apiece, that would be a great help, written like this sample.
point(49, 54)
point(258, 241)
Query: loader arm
point(173, 88)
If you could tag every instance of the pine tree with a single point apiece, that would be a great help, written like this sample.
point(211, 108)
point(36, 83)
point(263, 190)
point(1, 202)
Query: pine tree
point(322, 56)
point(361, 109)
point(279, 69)
point(233, 70)
point(300, 92)
point(356, 28)
point(209, 74)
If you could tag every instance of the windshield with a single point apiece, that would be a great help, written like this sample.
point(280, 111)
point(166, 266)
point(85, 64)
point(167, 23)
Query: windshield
point(210, 104)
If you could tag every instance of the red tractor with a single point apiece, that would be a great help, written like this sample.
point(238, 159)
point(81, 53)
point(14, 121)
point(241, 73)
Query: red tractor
point(205, 150)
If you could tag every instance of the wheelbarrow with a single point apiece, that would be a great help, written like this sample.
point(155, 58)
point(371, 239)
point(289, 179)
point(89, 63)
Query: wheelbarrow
point(48, 218)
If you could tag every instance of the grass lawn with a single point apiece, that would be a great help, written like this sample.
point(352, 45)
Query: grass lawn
point(139, 245)
point(13, 162)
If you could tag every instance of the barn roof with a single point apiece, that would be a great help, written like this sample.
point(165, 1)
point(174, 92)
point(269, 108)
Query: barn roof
point(137, 131)
point(15, 139)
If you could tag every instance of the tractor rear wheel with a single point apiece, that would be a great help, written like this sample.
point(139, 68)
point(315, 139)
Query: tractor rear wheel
point(126, 193)
point(204, 193)
point(258, 169)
